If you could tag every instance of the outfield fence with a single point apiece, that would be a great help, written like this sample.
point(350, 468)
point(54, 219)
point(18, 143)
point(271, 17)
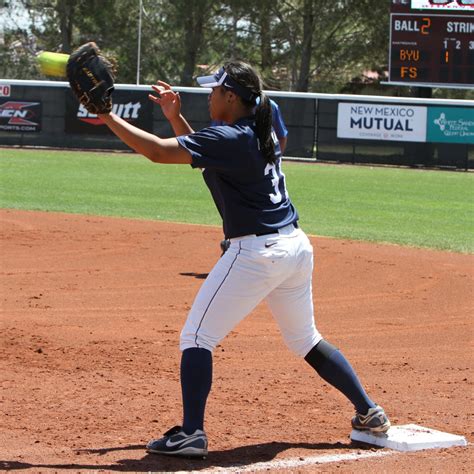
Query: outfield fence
point(322, 127)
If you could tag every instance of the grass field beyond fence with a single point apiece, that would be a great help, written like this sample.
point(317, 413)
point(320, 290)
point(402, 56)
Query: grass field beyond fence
point(409, 207)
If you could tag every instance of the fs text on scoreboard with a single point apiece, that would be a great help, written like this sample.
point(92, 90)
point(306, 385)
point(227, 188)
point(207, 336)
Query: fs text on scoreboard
point(431, 47)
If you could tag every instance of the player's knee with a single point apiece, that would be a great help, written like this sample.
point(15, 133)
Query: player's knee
point(302, 346)
point(190, 339)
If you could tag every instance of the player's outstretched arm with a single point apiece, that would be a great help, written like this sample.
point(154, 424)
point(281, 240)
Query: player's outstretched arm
point(170, 103)
point(92, 76)
point(158, 150)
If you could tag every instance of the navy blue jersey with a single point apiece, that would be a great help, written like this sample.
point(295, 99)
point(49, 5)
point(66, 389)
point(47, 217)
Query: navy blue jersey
point(249, 193)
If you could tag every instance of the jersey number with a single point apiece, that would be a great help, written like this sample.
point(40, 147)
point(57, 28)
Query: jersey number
point(275, 197)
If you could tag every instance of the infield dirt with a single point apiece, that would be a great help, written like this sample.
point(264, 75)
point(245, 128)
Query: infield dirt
point(92, 309)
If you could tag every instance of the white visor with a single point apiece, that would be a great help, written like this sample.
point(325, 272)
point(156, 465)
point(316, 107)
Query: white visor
point(221, 78)
point(215, 80)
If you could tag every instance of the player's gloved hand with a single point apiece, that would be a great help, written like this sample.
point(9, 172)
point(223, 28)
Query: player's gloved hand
point(169, 100)
point(91, 77)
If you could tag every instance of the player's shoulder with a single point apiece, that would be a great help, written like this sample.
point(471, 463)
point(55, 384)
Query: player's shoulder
point(241, 127)
point(219, 131)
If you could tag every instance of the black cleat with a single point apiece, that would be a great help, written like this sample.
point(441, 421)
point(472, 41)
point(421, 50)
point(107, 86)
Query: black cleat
point(176, 442)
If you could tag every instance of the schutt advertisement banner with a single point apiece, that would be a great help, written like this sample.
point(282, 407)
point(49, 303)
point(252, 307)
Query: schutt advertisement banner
point(132, 106)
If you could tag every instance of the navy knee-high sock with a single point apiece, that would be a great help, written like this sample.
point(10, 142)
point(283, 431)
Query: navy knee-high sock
point(335, 369)
point(196, 381)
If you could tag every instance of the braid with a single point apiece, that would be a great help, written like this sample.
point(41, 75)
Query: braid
point(263, 120)
point(248, 77)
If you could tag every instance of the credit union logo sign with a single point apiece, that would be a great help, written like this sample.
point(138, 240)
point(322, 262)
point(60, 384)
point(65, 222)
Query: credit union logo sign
point(451, 125)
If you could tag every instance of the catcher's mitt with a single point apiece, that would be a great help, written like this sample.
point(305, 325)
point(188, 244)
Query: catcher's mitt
point(91, 76)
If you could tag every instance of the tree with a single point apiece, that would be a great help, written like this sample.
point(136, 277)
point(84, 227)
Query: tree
point(195, 13)
point(309, 23)
point(265, 31)
point(66, 14)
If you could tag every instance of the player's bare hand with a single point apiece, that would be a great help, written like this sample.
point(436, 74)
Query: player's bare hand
point(167, 99)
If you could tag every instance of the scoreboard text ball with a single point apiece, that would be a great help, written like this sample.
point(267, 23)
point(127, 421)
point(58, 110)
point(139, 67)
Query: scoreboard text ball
point(431, 47)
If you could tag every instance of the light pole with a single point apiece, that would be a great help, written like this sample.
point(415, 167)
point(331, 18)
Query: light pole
point(139, 40)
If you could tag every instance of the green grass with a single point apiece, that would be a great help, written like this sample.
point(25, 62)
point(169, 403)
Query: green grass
point(409, 207)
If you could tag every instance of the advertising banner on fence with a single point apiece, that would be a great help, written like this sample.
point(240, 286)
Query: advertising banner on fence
point(132, 106)
point(20, 116)
point(381, 122)
point(451, 124)
point(5, 90)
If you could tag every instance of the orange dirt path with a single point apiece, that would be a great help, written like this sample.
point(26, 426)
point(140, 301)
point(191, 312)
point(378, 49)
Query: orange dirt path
point(92, 308)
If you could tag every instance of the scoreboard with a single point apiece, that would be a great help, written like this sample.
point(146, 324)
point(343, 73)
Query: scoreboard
point(432, 44)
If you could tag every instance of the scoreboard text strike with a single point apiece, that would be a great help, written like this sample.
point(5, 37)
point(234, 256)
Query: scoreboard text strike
point(432, 48)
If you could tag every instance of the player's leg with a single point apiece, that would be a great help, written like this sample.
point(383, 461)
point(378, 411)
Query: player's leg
point(292, 305)
point(237, 283)
point(196, 380)
point(335, 369)
point(231, 290)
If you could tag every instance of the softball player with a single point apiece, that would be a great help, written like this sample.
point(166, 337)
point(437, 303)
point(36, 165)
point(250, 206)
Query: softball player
point(270, 257)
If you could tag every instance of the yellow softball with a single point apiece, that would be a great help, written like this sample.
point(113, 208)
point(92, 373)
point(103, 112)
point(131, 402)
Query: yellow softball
point(52, 64)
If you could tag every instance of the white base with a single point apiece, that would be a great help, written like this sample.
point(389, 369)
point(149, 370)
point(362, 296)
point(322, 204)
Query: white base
point(409, 438)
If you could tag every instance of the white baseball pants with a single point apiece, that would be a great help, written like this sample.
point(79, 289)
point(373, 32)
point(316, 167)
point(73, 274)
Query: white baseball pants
point(276, 267)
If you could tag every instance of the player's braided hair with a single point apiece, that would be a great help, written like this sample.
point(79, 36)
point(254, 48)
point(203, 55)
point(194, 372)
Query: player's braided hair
point(248, 77)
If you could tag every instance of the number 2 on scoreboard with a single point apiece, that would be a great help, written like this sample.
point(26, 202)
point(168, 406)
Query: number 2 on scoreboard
point(425, 27)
